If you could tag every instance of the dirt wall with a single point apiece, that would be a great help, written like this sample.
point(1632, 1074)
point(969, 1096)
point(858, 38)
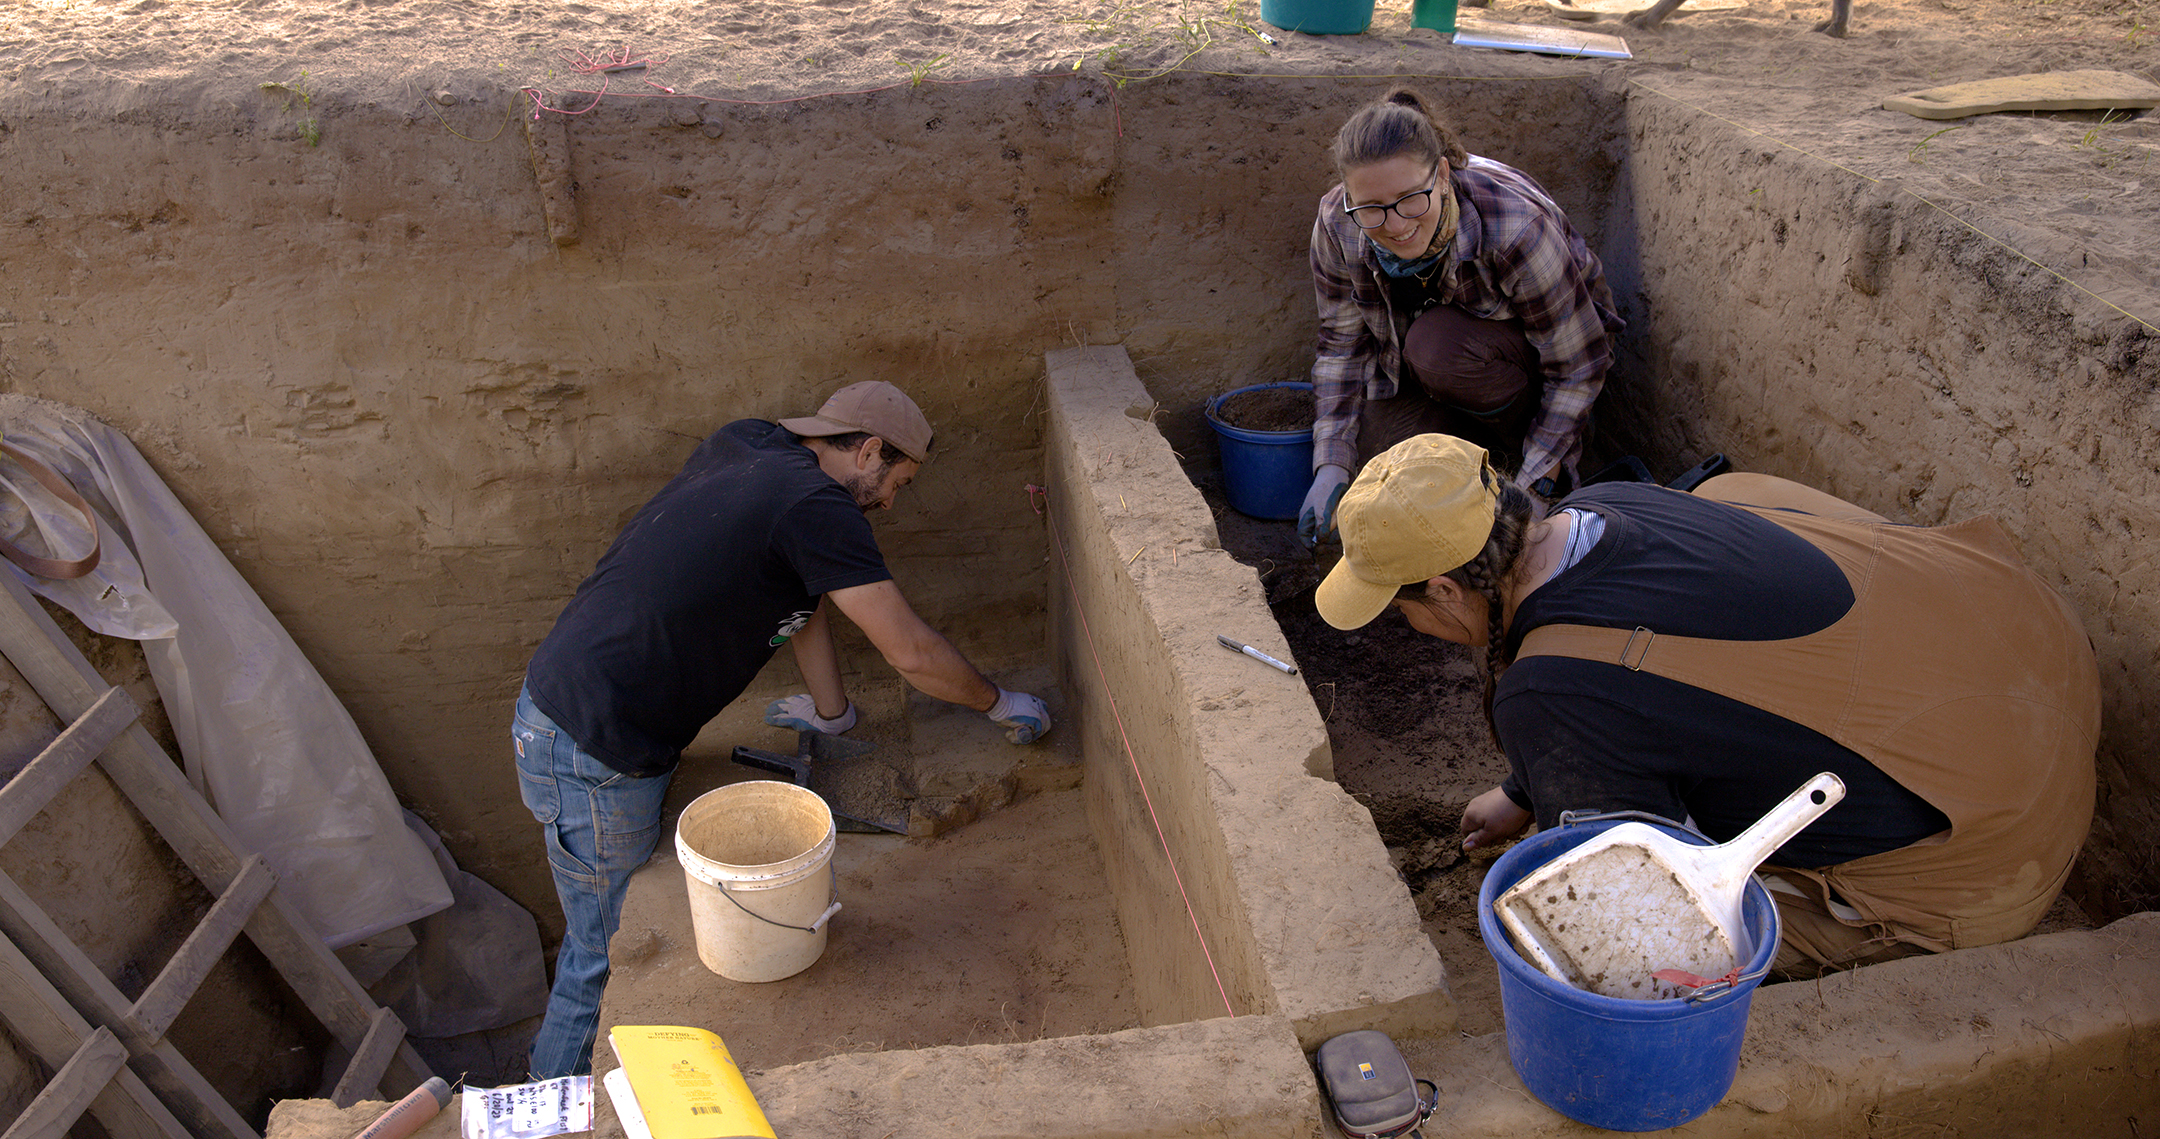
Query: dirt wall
point(414, 421)
point(1230, 1079)
point(346, 334)
point(1240, 1079)
point(1814, 324)
point(1976, 1042)
point(1288, 885)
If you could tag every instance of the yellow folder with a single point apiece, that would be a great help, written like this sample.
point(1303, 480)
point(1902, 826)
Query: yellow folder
point(686, 1084)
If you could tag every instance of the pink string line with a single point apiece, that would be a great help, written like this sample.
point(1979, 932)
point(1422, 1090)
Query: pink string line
point(1132, 759)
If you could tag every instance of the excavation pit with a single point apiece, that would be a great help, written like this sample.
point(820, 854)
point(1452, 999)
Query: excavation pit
point(413, 400)
point(1951, 1037)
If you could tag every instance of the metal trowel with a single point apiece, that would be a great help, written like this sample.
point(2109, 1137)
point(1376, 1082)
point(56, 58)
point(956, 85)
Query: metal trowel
point(866, 795)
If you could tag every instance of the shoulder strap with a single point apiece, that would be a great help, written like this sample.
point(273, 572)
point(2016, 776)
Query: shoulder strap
point(1811, 680)
point(58, 568)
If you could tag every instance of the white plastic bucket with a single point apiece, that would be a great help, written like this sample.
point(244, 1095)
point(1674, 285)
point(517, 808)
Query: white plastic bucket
point(758, 860)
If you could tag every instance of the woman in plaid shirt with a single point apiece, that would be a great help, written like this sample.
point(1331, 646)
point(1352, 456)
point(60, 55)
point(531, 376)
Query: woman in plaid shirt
point(1454, 297)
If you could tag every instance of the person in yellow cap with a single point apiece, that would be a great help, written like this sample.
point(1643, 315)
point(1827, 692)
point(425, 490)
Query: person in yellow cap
point(734, 557)
point(1699, 656)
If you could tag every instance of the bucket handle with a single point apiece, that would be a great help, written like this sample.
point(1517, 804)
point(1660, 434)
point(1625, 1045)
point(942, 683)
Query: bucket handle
point(813, 927)
point(1577, 818)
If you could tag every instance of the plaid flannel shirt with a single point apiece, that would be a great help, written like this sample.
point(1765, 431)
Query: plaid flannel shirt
point(1514, 257)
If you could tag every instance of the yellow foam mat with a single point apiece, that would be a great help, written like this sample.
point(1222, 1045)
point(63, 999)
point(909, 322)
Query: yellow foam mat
point(2043, 91)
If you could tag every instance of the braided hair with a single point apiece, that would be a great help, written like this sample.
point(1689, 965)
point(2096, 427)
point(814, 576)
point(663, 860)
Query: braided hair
point(1495, 563)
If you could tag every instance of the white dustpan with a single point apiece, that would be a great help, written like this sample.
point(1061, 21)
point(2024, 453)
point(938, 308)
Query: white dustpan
point(1606, 915)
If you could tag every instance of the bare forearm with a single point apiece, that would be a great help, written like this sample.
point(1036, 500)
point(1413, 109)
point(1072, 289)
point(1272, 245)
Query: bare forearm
point(919, 653)
point(819, 664)
point(937, 669)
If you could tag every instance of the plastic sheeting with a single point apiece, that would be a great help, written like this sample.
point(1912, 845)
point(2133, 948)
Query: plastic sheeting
point(476, 965)
point(261, 735)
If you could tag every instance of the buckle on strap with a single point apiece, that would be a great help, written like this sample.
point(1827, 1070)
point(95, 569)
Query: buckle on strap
point(1640, 634)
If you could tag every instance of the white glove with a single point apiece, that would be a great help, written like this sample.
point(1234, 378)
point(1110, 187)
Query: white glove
point(1025, 718)
point(799, 713)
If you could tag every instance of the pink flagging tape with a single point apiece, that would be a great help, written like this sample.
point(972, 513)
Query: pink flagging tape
point(1683, 977)
point(1034, 492)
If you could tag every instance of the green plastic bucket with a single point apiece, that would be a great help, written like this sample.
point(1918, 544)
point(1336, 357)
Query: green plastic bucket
point(1438, 15)
point(1318, 17)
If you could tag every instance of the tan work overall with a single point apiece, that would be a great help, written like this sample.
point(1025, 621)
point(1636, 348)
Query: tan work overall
point(1958, 672)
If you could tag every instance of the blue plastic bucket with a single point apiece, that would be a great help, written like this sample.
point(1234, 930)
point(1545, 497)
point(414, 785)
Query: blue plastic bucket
point(1265, 473)
point(1319, 17)
point(1618, 1064)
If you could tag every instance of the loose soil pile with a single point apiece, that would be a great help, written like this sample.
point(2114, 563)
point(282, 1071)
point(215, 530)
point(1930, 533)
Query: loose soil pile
point(1269, 409)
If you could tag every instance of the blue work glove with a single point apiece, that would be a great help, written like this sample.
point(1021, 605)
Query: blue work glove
point(799, 713)
point(1024, 718)
point(1316, 519)
point(1557, 484)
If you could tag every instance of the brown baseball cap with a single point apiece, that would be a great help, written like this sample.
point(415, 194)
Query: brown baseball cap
point(1421, 508)
point(873, 406)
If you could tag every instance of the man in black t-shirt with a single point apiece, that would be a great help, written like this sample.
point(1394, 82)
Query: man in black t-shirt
point(733, 558)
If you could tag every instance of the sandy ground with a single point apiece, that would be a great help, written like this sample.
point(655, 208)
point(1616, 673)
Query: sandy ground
point(980, 937)
point(1760, 65)
point(764, 49)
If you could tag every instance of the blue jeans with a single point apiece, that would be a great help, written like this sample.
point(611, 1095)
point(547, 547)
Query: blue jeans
point(601, 825)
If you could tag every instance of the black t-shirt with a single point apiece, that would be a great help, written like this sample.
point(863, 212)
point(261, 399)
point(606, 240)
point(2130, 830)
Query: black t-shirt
point(1592, 735)
point(707, 581)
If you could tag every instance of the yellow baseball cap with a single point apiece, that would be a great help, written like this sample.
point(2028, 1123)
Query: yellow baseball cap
point(1421, 508)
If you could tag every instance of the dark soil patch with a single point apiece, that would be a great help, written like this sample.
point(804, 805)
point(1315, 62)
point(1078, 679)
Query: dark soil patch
point(1404, 719)
point(1269, 409)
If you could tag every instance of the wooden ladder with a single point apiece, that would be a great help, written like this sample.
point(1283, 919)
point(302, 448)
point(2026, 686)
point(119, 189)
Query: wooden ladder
point(110, 1055)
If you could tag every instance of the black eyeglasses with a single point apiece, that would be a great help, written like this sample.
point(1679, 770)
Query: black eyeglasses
point(1409, 206)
